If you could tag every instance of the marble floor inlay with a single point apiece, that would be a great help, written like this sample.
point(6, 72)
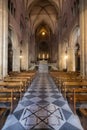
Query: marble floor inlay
point(42, 108)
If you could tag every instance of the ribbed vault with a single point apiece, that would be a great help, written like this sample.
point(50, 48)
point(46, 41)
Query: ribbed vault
point(43, 15)
point(39, 11)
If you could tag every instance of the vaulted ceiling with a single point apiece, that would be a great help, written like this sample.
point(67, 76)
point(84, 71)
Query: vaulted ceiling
point(43, 12)
point(56, 2)
point(43, 19)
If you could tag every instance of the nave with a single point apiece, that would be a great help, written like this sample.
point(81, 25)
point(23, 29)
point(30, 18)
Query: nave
point(42, 108)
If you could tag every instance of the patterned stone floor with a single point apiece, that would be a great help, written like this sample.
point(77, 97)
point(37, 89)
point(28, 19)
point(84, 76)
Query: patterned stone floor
point(42, 108)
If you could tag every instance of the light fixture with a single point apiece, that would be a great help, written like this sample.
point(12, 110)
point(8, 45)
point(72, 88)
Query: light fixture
point(43, 33)
point(20, 56)
point(66, 57)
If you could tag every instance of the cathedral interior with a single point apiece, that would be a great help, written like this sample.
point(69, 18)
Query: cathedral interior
point(43, 64)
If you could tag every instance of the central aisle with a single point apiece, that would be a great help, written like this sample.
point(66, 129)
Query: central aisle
point(42, 108)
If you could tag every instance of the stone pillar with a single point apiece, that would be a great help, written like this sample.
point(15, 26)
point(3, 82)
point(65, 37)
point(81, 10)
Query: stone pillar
point(25, 55)
point(71, 59)
point(60, 56)
point(16, 59)
point(62, 61)
point(82, 35)
point(83, 29)
point(32, 48)
point(3, 37)
point(85, 35)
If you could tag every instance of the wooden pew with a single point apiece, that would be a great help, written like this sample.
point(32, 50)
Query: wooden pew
point(20, 78)
point(7, 96)
point(65, 78)
point(68, 86)
point(83, 111)
point(76, 91)
point(24, 81)
point(80, 95)
point(15, 86)
point(31, 74)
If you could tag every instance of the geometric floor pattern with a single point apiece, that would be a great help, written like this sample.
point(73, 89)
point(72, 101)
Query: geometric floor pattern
point(42, 108)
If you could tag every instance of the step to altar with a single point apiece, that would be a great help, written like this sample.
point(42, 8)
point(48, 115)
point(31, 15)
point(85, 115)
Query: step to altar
point(43, 66)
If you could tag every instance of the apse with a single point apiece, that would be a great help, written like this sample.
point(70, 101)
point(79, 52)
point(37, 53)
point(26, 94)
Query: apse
point(42, 40)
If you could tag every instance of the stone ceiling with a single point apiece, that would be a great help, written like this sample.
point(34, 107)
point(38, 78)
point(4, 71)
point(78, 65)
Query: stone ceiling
point(43, 12)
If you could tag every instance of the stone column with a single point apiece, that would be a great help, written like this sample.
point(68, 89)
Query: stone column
point(25, 55)
point(71, 59)
point(85, 36)
point(82, 35)
point(1, 39)
point(60, 56)
point(3, 36)
point(16, 59)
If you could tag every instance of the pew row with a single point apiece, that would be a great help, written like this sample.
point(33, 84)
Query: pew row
point(14, 85)
point(75, 92)
point(23, 80)
point(10, 91)
point(60, 77)
point(83, 111)
point(6, 97)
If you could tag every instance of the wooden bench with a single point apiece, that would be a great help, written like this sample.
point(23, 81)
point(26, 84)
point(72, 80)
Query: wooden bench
point(31, 74)
point(23, 78)
point(15, 86)
point(66, 78)
point(24, 81)
point(7, 96)
point(28, 78)
point(23, 74)
point(61, 77)
point(80, 96)
point(76, 91)
point(83, 111)
point(68, 86)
